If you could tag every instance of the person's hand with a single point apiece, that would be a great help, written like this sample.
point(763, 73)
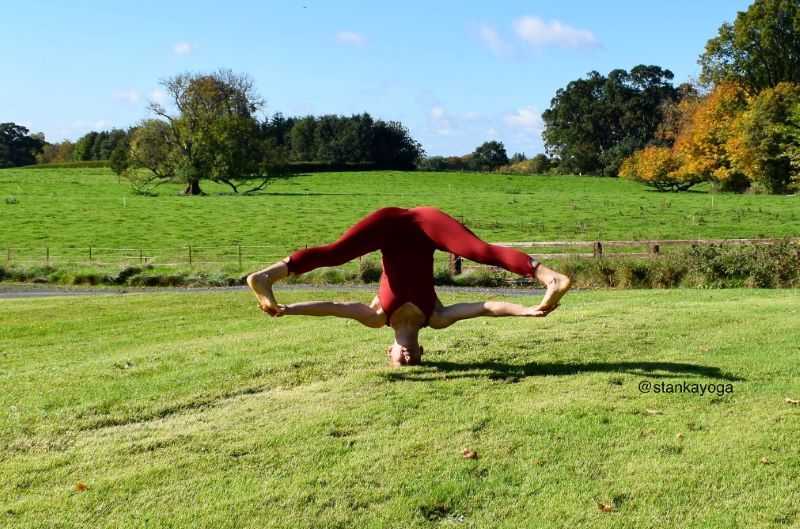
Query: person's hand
point(273, 311)
point(540, 312)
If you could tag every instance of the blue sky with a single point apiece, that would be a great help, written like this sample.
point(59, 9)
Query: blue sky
point(455, 73)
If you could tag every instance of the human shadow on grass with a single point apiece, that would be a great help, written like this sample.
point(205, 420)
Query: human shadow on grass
point(495, 370)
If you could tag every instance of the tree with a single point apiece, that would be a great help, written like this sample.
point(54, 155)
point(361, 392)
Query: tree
point(760, 144)
point(302, 137)
point(657, 167)
point(594, 123)
point(490, 155)
point(214, 116)
point(393, 147)
point(84, 147)
point(17, 146)
point(759, 50)
point(152, 157)
point(792, 131)
point(702, 145)
point(539, 164)
point(56, 152)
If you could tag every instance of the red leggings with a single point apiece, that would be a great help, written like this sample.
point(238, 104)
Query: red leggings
point(407, 239)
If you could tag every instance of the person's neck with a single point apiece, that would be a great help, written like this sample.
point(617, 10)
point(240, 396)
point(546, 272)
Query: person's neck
point(406, 333)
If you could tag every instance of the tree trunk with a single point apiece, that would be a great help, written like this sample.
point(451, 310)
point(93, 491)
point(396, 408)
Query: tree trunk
point(192, 188)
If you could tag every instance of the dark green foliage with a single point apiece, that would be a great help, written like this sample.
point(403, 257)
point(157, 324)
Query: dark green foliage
point(71, 165)
point(759, 50)
point(337, 140)
point(490, 155)
point(593, 124)
point(17, 147)
point(369, 271)
point(717, 266)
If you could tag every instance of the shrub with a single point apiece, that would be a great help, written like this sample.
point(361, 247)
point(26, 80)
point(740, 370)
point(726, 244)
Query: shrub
point(369, 271)
point(482, 277)
point(442, 276)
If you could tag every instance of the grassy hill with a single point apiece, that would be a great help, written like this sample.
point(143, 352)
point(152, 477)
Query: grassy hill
point(177, 410)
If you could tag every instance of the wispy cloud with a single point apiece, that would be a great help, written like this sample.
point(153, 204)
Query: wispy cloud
point(445, 124)
point(350, 37)
point(553, 33)
point(158, 96)
point(79, 127)
point(527, 119)
point(129, 96)
point(494, 41)
point(182, 48)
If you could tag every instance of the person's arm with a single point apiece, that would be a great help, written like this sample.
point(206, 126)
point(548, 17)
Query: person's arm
point(444, 316)
point(364, 314)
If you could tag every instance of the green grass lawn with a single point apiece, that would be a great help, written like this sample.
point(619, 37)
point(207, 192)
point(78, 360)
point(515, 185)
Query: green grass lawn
point(196, 410)
point(79, 208)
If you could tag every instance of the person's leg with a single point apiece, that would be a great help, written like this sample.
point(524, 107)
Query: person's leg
point(362, 238)
point(451, 236)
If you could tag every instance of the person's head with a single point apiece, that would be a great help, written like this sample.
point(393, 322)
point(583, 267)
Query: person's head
point(407, 320)
point(401, 355)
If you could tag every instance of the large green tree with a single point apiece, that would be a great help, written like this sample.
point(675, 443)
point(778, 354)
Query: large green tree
point(490, 155)
point(213, 133)
point(759, 50)
point(593, 124)
point(17, 146)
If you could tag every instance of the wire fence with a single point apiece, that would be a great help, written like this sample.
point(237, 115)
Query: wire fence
point(246, 256)
point(191, 255)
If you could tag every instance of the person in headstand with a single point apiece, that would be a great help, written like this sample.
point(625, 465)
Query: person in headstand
point(407, 300)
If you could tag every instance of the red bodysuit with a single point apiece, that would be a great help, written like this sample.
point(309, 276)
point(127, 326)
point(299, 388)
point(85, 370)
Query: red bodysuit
point(407, 239)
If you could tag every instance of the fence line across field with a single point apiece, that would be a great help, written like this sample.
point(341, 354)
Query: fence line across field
point(197, 255)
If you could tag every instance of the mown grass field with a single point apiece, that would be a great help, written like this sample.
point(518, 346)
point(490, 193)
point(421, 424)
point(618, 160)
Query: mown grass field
point(195, 410)
point(88, 207)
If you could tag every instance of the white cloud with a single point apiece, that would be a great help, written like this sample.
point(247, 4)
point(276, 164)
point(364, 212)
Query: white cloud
point(182, 48)
point(350, 37)
point(445, 124)
point(495, 42)
point(541, 33)
point(79, 127)
point(158, 96)
point(440, 123)
point(528, 119)
point(130, 96)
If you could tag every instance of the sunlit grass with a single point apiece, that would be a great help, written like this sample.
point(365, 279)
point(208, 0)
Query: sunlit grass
point(79, 208)
point(178, 410)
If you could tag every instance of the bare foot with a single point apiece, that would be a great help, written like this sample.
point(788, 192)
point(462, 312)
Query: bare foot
point(261, 285)
point(557, 286)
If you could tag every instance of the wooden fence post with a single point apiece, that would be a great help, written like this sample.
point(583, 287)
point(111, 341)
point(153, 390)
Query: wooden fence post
point(190, 256)
point(90, 254)
point(47, 256)
point(239, 254)
point(455, 264)
point(656, 250)
point(8, 255)
point(141, 256)
point(598, 249)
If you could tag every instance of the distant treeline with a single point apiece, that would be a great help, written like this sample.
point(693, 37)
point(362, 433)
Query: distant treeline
point(328, 142)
